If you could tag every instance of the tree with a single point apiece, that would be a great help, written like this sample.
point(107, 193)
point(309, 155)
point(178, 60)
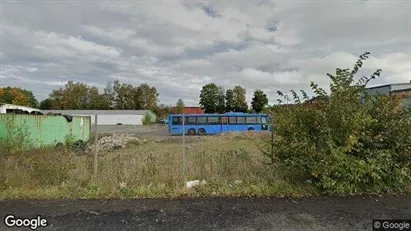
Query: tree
point(108, 97)
point(46, 104)
point(76, 96)
point(209, 98)
point(146, 97)
point(240, 99)
point(125, 96)
point(180, 106)
point(96, 100)
point(162, 111)
point(120, 96)
point(221, 107)
point(230, 100)
point(18, 96)
point(260, 100)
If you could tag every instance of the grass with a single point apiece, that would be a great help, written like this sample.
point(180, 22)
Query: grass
point(232, 166)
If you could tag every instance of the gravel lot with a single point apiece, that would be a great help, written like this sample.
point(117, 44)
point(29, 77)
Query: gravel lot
point(321, 213)
point(155, 131)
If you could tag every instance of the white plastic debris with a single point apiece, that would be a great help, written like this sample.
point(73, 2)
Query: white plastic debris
point(117, 141)
point(194, 183)
point(123, 184)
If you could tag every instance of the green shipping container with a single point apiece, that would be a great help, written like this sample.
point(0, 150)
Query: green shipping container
point(43, 130)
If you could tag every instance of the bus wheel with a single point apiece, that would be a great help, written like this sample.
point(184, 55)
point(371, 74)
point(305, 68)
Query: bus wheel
point(191, 131)
point(201, 131)
point(250, 129)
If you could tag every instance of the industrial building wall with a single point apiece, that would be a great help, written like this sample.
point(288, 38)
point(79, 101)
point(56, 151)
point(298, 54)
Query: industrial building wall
point(115, 119)
point(123, 119)
point(381, 90)
point(401, 87)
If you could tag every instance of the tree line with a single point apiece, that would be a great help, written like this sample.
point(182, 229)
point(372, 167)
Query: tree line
point(122, 96)
point(214, 99)
point(116, 96)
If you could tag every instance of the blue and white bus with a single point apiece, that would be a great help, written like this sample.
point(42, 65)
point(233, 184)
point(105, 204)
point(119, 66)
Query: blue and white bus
point(209, 124)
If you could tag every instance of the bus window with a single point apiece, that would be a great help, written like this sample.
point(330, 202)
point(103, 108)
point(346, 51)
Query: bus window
point(176, 120)
point(191, 120)
point(240, 120)
point(264, 120)
point(224, 120)
point(213, 120)
point(251, 120)
point(232, 120)
point(201, 120)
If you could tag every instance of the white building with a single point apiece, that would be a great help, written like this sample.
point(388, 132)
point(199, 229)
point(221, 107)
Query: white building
point(8, 108)
point(393, 89)
point(110, 117)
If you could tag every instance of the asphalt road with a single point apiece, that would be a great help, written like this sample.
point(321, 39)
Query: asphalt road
point(323, 213)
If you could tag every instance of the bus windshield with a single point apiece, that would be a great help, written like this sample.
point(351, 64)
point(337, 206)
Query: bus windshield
point(264, 120)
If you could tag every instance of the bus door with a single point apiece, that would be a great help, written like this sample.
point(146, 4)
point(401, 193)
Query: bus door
point(224, 124)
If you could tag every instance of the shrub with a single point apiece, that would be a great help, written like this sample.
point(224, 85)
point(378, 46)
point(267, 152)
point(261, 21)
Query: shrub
point(346, 141)
point(147, 119)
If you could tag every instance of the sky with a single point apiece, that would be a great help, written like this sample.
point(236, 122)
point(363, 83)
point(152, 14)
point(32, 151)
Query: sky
point(179, 46)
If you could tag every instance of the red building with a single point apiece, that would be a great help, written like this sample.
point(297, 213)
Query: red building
point(190, 110)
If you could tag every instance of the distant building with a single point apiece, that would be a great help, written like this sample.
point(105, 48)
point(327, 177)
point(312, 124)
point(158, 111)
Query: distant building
point(11, 108)
point(189, 110)
point(110, 117)
point(393, 89)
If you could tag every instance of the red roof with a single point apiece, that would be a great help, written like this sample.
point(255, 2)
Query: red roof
point(190, 110)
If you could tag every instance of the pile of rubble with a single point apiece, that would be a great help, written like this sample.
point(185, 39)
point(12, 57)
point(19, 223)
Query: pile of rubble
point(117, 141)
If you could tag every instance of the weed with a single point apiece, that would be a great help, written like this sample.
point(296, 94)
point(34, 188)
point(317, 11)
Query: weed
point(150, 170)
point(346, 142)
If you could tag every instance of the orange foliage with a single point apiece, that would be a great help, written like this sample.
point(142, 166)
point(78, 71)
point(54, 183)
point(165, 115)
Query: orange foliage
point(15, 96)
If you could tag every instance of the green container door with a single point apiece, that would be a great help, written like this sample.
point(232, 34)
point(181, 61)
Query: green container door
point(43, 130)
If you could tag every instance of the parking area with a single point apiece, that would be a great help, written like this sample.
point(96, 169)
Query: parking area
point(155, 131)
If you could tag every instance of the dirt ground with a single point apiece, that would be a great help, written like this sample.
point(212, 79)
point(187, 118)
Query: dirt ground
point(153, 130)
point(322, 213)
point(157, 132)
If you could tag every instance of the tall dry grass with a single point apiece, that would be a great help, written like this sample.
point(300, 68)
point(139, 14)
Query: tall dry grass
point(231, 166)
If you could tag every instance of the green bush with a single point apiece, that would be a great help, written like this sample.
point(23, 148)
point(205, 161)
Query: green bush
point(345, 141)
point(147, 119)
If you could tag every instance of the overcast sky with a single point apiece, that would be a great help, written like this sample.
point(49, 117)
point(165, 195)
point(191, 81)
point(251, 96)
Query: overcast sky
point(178, 46)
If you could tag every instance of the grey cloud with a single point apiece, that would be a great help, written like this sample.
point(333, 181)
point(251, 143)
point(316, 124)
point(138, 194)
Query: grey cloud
point(179, 46)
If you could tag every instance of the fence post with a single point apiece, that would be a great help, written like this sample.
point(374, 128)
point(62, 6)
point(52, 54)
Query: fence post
point(184, 153)
point(95, 148)
point(272, 141)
